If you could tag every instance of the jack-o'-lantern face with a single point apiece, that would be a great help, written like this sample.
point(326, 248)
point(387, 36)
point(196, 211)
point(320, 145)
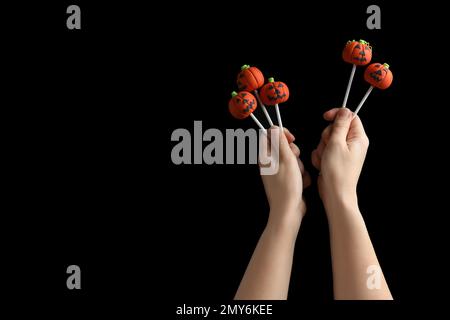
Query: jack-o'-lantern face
point(241, 104)
point(379, 75)
point(250, 78)
point(357, 52)
point(274, 92)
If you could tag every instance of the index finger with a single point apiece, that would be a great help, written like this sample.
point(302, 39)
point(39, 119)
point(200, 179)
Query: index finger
point(331, 114)
point(356, 129)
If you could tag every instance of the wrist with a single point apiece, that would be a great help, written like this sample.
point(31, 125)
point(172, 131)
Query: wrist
point(286, 222)
point(341, 205)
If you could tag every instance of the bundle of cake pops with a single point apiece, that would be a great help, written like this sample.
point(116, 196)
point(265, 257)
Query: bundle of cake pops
point(359, 53)
point(251, 79)
point(243, 103)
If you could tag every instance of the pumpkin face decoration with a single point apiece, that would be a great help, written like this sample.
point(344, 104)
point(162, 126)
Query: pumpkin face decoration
point(357, 52)
point(379, 75)
point(274, 92)
point(250, 78)
point(241, 104)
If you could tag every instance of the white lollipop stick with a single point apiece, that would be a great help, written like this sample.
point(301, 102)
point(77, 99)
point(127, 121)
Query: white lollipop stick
point(362, 101)
point(263, 108)
point(280, 124)
point(258, 123)
point(347, 92)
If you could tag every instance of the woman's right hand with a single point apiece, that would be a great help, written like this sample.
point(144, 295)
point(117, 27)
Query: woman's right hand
point(340, 156)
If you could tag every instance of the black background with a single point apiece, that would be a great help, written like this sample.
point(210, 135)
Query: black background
point(89, 127)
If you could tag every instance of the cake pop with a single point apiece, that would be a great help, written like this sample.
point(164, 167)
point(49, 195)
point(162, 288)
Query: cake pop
point(251, 79)
point(378, 76)
point(358, 53)
point(242, 105)
point(273, 93)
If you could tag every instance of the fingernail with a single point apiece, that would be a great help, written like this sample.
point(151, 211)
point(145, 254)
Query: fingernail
point(344, 113)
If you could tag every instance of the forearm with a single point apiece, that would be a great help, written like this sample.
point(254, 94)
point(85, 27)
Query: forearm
point(353, 256)
point(268, 273)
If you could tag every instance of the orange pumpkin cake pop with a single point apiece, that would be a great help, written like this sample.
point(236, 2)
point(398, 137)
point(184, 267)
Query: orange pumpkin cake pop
point(358, 53)
point(242, 105)
point(378, 76)
point(251, 79)
point(273, 93)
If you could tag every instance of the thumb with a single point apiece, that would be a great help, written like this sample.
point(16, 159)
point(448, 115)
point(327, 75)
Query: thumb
point(341, 125)
point(285, 148)
point(279, 142)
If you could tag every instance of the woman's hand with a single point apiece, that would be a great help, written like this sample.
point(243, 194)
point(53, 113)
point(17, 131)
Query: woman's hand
point(284, 189)
point(340, 156)
point(269, 270)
